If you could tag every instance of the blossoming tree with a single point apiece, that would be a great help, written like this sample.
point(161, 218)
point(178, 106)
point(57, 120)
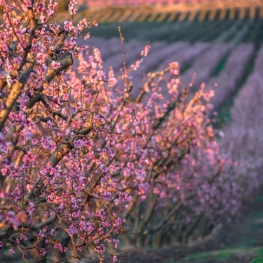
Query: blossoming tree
point(55, 135)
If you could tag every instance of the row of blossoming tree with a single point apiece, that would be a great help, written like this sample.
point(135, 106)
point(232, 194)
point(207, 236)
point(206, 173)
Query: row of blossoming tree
point(84, 165)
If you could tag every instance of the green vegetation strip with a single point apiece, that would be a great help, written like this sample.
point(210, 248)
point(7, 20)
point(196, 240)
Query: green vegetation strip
point(259, 257)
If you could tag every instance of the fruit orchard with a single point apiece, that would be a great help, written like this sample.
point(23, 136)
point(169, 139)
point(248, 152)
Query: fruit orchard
point(92, 156)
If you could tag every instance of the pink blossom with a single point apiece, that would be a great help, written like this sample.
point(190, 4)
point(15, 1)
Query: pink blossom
point(31, 208)
point(100, 248)
point(55, 65)
point(78, 143)
point(68, 26)
point(145, 51)
point(52, 232)
point(42, 252)
point(4, 171)
point(59, 247)
point(41, 8)
point(28, 3)
point(73, 230)
point(116, 243)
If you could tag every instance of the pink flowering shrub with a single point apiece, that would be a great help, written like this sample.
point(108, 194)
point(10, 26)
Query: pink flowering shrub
point(56, 137)
point(83, 164)
point(180, 176)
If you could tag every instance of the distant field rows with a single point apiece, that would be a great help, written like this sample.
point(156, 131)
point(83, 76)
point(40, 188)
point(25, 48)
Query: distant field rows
point(220, 63)
point(217, 31)
point(243, 135)
point(150, 14)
